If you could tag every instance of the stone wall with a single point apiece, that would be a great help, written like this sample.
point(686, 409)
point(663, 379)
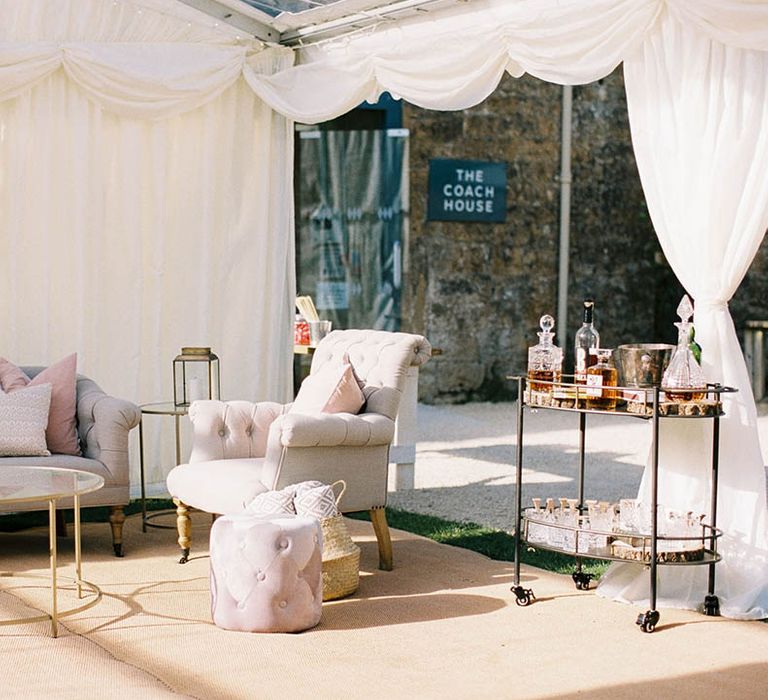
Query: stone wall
point(476, 290)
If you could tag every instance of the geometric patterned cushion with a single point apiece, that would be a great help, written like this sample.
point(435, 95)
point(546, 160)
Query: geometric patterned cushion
point(318, 502)
point(272, 503)
point(309, 498)
point(23, 419)
point(300, 488)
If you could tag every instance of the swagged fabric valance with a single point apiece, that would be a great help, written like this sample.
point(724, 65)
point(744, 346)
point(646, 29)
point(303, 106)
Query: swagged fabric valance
point(696, 77)
point(156, 58)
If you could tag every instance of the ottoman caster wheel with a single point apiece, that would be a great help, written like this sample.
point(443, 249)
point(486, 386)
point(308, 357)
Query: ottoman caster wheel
point(184, 556)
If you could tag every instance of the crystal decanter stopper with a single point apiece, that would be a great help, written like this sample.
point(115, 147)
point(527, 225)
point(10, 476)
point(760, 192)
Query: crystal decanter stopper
point(684, 379)
point(545, 360)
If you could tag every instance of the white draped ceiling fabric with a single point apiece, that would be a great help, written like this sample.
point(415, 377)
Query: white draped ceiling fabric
point(145, 197)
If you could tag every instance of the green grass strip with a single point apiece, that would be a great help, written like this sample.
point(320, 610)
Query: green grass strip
point(495, 544)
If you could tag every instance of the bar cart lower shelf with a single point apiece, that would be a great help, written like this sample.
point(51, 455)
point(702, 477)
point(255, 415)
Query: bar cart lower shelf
point(571, 531)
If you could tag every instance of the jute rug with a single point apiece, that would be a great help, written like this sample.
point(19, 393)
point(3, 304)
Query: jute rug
point(443, 624)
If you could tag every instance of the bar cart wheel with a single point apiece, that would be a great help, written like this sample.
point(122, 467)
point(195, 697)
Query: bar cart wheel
point(712, 606)
point(648, 620)
point(582, 580)
point(523, 596)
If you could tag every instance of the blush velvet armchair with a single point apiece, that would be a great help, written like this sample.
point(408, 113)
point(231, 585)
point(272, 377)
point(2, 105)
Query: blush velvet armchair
point(241, 449)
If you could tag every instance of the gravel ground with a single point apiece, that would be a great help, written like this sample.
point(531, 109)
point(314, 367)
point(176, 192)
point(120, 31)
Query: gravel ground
point(466, 454)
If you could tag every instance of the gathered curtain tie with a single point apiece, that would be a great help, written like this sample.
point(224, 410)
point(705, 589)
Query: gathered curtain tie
point(710, 305)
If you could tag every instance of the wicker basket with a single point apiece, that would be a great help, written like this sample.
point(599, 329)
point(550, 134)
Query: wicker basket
point(341, 558)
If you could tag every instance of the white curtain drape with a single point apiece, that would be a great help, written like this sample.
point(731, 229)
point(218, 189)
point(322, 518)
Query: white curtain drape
point(699, 116)
point(145, 203)
point(696, 79)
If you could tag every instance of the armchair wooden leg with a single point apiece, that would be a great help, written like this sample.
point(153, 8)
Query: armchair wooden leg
point(380, 527)
point(116, 520)
point(184, 527)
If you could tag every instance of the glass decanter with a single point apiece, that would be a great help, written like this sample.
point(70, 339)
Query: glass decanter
point(545, 360)
point(684, 379)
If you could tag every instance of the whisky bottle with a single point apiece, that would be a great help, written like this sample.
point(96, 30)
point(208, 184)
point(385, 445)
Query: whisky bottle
point(599, 378)
point(586, 344)
point(545, 360)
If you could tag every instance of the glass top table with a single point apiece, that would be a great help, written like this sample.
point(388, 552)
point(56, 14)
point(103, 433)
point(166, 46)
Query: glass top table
point(26, 484)
point(164, 408)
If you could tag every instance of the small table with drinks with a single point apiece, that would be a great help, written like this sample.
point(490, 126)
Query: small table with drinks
point(630, 530)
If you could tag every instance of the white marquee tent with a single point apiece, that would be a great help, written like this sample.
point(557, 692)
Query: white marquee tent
point(146, 187)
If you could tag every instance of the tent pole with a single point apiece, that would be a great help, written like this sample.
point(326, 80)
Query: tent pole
point(565, 214)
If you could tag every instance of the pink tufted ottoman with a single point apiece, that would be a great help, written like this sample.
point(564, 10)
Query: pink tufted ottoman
point(266, 572)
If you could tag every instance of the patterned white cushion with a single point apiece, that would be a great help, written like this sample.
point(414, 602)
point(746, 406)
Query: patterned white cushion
point(316, 501)
point(300, 488)
point(272, 503)
point(23, 419)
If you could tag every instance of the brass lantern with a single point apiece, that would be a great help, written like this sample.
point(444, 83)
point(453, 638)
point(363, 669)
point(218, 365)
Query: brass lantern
point(195, 376)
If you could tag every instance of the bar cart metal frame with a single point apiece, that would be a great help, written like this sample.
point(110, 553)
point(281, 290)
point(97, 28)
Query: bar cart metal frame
point(648, 620)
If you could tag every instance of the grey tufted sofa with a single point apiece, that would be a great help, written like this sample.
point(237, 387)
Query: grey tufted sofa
point(103, 424)
point(241, 449)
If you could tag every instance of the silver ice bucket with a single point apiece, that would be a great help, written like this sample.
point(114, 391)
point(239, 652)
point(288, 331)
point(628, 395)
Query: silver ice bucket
point(642, 364)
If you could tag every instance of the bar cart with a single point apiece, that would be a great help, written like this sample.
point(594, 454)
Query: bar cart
point(646, 545)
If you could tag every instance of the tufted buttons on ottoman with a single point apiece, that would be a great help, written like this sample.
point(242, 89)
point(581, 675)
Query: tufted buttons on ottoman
point(266, 573)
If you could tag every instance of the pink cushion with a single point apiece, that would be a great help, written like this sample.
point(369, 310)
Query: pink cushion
point(346, 361)
point(332, 389)
point(12, 377)
point(61, 433)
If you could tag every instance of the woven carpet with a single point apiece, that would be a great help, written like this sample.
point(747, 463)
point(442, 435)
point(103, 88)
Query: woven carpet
point(443, 624)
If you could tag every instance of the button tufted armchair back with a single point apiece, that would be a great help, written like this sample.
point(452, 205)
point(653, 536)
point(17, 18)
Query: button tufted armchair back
point(231, 429)
point(380, 358)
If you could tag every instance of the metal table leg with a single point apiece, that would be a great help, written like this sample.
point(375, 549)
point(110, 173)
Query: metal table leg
point(523, 596)
point(581, 579)
point(143, 484)
point(650, 618)
point(54, 564)
point(711, 601)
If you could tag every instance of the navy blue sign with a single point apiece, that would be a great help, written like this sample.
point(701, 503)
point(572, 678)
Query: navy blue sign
point(467, 190)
